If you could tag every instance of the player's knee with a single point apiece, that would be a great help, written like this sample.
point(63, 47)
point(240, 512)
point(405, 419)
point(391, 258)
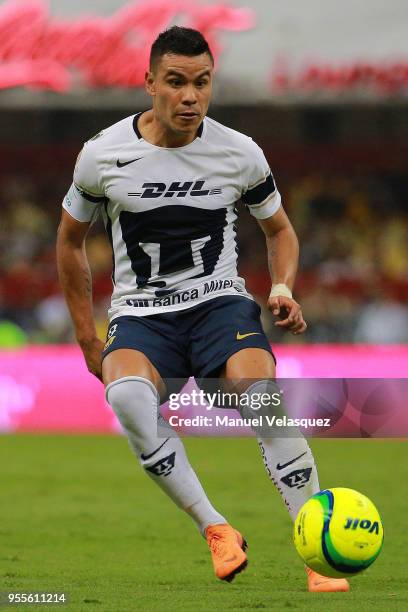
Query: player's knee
point(126, 363)
point(250, 363)
point(252, 385)
point(261, 398)
point(262, 385)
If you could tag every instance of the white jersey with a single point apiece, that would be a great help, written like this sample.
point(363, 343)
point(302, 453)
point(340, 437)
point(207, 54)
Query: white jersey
point(170, 212)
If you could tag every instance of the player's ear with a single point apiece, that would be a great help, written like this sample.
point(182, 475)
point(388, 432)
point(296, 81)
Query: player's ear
point(149, 83)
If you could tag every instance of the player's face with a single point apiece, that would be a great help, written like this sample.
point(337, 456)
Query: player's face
point(181, 91)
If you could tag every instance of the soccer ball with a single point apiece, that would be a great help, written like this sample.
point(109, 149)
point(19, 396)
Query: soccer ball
point(338, 532)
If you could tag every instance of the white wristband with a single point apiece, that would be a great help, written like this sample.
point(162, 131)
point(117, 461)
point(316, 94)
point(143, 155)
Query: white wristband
point(280, 289)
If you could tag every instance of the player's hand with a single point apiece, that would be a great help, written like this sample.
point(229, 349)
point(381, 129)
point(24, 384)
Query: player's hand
point(289, 313)
point(92, 350)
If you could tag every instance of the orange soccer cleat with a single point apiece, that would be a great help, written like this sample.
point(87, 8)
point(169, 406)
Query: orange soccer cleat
point(227, 550)
point(321, 584)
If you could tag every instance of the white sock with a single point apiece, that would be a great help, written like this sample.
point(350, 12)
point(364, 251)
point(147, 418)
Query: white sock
point(136, 402)
point(288, 461)
point(290, 466)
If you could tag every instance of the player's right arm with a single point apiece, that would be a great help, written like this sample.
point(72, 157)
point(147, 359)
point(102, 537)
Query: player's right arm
point(81, 206)
point(76, 283)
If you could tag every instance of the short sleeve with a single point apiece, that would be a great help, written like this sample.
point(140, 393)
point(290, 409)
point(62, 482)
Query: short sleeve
point(260, 194)
point(85, 196)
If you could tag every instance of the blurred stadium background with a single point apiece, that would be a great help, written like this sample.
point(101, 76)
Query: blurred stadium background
point(323, 88)
point(324, 95)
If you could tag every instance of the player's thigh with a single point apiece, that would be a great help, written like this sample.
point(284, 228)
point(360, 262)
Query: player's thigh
point(225, 326)
point(247, 366)
point(129, 362)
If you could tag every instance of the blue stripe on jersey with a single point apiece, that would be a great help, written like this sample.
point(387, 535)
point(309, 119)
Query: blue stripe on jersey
point(258, 194)
point(90, 197)
point(134, 123)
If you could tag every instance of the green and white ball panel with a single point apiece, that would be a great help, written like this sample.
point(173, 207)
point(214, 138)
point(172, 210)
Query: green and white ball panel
point(338, 532)
point(356, 531)
point(308, 531)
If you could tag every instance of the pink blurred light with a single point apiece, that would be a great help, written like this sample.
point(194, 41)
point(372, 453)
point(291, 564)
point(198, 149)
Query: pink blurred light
point(342, 361)
point(49, 388)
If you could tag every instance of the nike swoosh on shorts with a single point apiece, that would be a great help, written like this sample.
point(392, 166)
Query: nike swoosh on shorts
point(242, 336)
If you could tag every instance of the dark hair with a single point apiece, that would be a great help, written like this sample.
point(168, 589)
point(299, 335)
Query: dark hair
point(180, 41)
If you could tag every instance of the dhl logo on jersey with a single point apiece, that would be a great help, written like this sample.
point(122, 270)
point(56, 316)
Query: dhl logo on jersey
point(180, 190)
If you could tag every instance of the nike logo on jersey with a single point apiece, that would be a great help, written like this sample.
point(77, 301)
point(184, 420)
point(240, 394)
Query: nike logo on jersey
point(126, 163)
point(280, 467)
point(145, 457)
point(242, 336)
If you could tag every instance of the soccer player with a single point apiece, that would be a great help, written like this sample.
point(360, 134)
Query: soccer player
point(167, 182)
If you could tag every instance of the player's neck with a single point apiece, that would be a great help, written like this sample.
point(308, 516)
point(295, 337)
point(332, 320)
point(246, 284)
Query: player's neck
point(154, 132)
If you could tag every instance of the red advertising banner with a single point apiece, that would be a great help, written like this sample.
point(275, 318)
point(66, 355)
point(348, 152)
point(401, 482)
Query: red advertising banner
point(48, 52)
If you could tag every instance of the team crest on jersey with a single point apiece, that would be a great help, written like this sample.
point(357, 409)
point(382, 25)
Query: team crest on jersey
point(178, 189)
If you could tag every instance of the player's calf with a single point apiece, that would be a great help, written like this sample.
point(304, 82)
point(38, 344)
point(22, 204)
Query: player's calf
point(136, 402)
point(288, 460)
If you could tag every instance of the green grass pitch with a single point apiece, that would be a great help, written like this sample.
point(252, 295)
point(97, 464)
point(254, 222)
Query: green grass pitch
point(78, 515)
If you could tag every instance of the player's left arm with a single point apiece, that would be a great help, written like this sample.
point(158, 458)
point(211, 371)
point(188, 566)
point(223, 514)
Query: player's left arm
point(283, 255)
